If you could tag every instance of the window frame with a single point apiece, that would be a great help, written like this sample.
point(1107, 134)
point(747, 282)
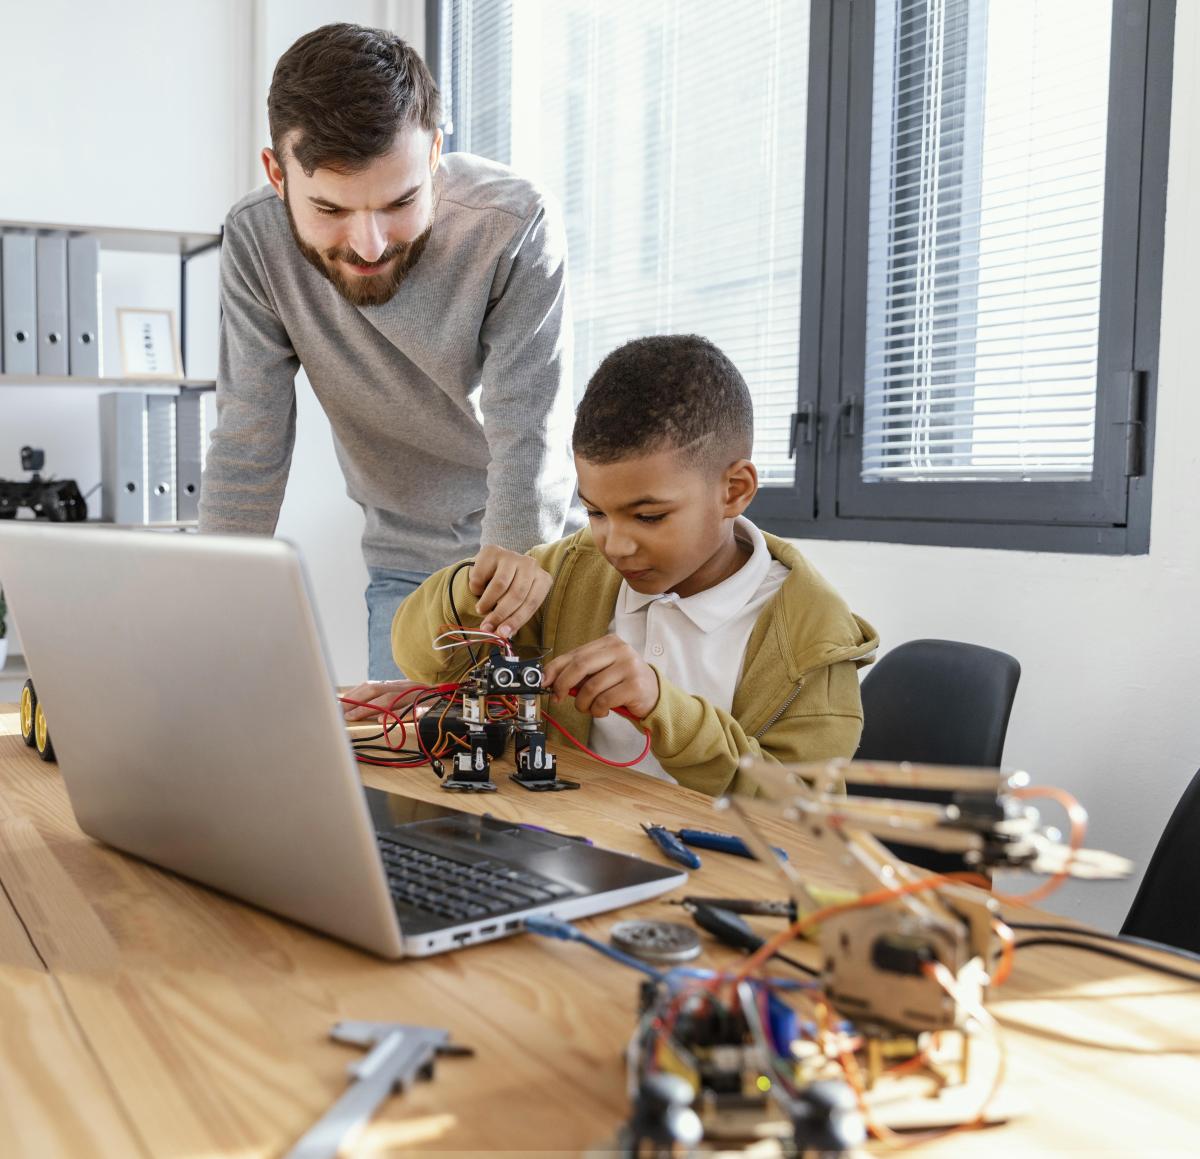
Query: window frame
point(1110, 514)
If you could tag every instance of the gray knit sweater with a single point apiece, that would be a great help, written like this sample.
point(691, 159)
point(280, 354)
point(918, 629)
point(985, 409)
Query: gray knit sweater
point(451, 404)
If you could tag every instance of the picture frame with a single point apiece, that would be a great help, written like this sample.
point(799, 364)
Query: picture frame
point(149, 341)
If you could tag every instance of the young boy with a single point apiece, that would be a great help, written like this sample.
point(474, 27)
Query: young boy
point(720, 639)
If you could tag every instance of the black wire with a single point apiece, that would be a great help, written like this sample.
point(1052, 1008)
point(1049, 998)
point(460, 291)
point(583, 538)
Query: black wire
point(435, 699)
point(365, 739)
point(1116, 939)
point(364, 743)
point(393, 754)
point(1109, 952)
point(453, 607)
point(796, 965)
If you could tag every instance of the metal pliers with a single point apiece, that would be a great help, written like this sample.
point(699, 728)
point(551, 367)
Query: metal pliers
point(671, 845)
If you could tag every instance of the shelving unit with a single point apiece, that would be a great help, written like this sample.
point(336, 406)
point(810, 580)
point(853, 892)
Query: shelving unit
point(185, 245)
point(106, 381)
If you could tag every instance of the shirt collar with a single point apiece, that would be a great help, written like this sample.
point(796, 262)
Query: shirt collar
point(716, 606)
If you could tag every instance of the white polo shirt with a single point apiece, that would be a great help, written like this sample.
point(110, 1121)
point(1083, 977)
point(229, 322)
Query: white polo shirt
point(698, 643)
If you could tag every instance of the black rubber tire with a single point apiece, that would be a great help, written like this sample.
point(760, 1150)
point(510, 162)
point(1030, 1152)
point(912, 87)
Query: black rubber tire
point(25, 710)
point(41, 735)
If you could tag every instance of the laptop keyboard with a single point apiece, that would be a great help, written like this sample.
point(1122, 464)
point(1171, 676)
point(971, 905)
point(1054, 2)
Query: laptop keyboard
point(460, 890)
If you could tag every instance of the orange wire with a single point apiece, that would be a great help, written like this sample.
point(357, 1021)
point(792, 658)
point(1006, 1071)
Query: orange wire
point(1078, 818)
point(918, 1060)
point(876, 897)
point(1008, 945)
point(439, 745)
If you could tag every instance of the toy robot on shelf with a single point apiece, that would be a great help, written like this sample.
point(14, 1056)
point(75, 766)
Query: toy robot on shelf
point(58, 500)
point(507, 676)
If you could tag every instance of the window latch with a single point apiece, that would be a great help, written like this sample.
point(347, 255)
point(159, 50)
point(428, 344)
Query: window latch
point(845, 420)
point(804, 418)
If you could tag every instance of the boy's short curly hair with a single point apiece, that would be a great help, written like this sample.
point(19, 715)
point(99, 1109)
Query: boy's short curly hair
point(669, 391)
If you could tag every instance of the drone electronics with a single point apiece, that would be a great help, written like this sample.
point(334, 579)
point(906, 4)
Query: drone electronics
point(907, 960)
point(57, 500)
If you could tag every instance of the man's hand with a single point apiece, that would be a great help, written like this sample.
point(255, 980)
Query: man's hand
point(381, 692)
point(509, 588)
point(606, 674)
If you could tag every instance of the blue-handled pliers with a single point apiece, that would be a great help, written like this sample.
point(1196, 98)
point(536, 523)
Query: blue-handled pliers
point(671, 845)
point(721, 843)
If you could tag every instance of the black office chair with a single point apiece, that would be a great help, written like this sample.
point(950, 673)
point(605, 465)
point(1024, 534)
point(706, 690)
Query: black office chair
point(936, 702)
point(1167, 906)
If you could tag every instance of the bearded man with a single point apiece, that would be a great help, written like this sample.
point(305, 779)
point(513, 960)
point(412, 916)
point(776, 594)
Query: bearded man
point(424, 296)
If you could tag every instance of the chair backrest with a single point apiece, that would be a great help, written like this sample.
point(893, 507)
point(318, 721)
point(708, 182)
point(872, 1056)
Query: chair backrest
point(1167, 906)
point(936, 702)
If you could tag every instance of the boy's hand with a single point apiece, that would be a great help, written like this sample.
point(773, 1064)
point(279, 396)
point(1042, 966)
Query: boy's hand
point(380, 692)
point(606, 674)
point(509, 588)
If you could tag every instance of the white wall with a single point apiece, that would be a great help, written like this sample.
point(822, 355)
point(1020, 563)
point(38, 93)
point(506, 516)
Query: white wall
point(1109, 647)
point(117, 113)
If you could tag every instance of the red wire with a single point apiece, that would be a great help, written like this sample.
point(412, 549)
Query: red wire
point(417, 692)
point(596, 756)
point(391, 764)
point(420, 690)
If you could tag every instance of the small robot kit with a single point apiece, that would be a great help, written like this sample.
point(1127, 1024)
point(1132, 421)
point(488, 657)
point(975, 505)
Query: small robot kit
point(887, 1031)
point(57, 500)
point(466, 723)
point(459, 727)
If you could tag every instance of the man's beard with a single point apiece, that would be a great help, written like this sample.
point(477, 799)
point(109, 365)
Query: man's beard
point(363, 289)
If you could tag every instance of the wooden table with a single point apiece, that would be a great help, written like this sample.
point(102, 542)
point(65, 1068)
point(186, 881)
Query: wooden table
point(142, 1015)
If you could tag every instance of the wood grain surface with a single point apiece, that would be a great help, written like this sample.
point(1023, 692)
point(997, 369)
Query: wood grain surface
point(143, 1015)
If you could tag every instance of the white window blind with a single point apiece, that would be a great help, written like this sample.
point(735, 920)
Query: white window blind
point(986, 208)
point(477, 57)
point(672, 133)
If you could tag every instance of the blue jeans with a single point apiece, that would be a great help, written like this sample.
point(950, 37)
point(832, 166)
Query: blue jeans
point(385, 593)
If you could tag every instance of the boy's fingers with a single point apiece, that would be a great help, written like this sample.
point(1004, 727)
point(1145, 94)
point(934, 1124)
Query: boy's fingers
point(514, 623)
point(481, 571)
point(383, 693)
point(504, 613)
point(565, 671)
point(500, 582)
point(588, 697)
point(509, 623)
point(612, 697)
point(358, 692)
point(579, 665)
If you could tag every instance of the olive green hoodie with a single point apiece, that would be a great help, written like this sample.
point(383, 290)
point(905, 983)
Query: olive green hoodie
point(797, 699)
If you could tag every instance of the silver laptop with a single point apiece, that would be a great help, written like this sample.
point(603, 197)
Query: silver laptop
point(191, 707)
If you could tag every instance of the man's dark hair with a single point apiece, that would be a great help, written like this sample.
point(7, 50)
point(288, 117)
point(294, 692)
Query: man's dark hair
point(671, 391)
point(346, 91)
